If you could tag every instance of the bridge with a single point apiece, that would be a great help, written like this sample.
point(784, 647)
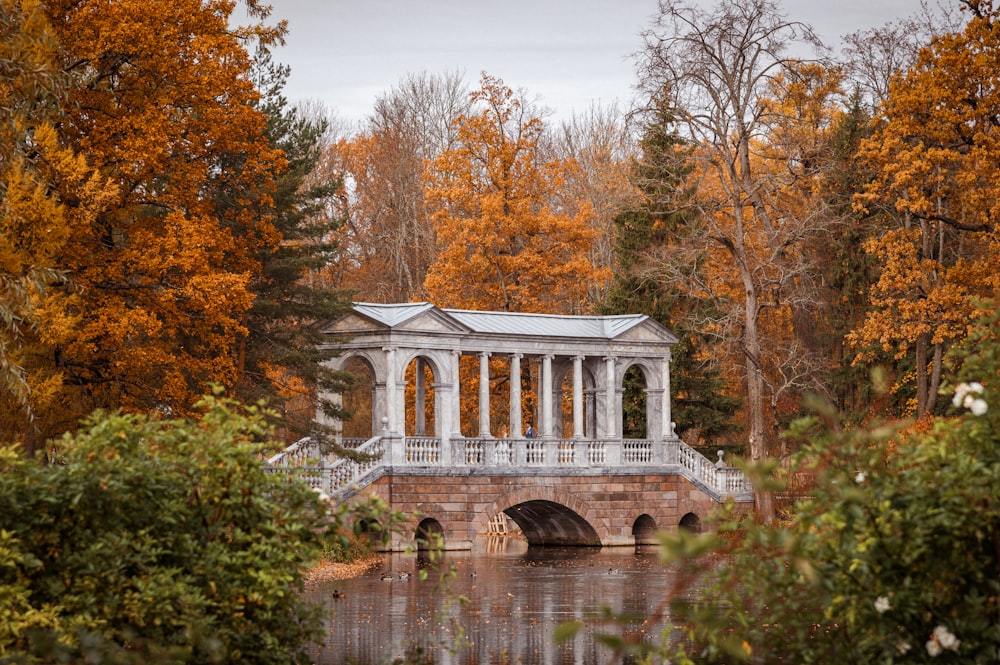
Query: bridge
point(594, 487)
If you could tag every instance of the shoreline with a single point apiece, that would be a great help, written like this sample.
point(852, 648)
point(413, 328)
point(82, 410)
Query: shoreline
point(326, 571)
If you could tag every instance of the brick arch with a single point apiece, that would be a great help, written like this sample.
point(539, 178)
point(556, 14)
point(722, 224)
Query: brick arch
point(686, 506)
point(553, 495)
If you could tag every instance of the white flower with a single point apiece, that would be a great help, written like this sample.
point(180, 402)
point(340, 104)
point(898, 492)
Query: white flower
point(946, 638)
point(933, 648)
point(965, 394)
point(902, 647)
point(882, 605)
point(860, 478)
point(978, 406)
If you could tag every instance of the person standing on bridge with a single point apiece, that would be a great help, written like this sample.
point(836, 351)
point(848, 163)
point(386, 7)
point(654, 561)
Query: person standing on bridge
point(530, 432)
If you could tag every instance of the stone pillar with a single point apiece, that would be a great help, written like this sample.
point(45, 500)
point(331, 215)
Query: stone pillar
point(668, 430)
point(442, 419)
point(516, 430)
point(420, 398)
point(612, 401)
point(545, 390)
point(484, 394)
point(390, 392)
point(456, 396)
point(578, 432)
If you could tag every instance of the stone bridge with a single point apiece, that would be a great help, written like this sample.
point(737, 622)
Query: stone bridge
point(438, 375)
point(560, 492)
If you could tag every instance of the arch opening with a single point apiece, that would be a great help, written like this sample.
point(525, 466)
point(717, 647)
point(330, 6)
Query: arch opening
point(358, 401)
point(634, 412)
point(691, 522)
point(549, 523)
point(429, 535)
point(644, 530)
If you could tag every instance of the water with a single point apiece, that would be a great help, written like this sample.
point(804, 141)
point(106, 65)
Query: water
point(515, 596)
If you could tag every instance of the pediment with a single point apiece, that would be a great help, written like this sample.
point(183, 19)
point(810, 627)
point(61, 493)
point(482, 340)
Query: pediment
point(432, 321)
point(353, 322)
point(648, 332)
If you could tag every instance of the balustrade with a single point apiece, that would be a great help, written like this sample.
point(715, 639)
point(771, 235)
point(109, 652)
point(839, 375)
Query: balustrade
point(337, 476)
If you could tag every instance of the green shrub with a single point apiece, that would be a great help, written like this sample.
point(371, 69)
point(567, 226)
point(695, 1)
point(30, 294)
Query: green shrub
point(895, 557)
point(156, 541)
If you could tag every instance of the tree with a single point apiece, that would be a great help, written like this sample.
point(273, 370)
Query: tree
point(161, 102)
point(599, 149)
point(892, 559)
point(932, 154)
point(501, 246)
point(725, 71)
point(156, 540)
point(283, 358)
point(702, 408)
point(37, 298)
point(388, 239)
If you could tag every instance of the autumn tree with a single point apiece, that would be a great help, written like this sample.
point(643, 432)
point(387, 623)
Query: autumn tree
point(37, 297)
point(599, 148)
point(501, 246)
point(161, 102)
point(702, 404)
point(728, 73)
point(282, 360)
point(387, 240)
point(934, 154)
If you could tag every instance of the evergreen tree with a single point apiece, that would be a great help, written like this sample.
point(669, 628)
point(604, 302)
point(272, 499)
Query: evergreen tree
point(282, 358)
point(701, 406)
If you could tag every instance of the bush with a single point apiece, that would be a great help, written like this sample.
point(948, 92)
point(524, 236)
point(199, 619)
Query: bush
point(895, 557)
point(156, 541)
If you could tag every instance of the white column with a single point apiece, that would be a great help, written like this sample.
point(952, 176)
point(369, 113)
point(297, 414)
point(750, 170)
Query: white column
point(578, 397)
point(420, 399)
point(545, 389)
point(515, 396)
point(390, 391)
point(668, 430)
point(612, 404)
point(484, 394)
point(456, 395)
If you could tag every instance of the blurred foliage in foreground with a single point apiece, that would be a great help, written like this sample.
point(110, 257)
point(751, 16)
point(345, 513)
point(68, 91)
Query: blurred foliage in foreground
point(151, 540)
point(893, 558)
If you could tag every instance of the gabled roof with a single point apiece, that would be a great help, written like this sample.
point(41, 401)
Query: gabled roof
point(517, 323)
point(546, 325)
point(394, 314)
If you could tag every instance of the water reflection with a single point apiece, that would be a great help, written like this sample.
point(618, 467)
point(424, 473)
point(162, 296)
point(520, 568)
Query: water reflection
point(500, 604)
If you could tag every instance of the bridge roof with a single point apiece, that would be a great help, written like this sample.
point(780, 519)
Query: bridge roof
point(512, 323)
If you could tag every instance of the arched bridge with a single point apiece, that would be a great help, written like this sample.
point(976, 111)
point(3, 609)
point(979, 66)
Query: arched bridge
point(558, 492)
point(437, 375)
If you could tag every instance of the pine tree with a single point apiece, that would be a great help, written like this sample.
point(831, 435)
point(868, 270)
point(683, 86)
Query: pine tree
point(282, 360)
point(701, 406)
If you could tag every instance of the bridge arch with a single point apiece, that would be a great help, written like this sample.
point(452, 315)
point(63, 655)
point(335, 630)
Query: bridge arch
point(547, 516)
point(644, 530)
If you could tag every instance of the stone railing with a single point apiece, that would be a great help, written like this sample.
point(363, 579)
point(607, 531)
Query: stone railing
point(335, 478)
point(331, 478)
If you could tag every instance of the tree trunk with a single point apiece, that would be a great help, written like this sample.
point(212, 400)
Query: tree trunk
point(763, 500)
point(920, 374)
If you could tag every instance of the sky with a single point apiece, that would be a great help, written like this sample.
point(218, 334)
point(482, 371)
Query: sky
point(568, 55)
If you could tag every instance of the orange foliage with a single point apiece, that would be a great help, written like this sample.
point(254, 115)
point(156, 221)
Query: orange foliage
point(501, 246)
point(162, 103)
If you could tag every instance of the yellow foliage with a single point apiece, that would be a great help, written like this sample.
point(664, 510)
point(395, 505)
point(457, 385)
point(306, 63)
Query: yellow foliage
point(501, 245)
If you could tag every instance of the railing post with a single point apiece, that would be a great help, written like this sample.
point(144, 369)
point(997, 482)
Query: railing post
point(613, 454)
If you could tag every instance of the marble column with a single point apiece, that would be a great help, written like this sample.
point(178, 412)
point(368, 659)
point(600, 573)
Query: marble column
point(578, 432)
point(484, 394)
point(456, 395)
point(516, 430)
point(545, 427)
point(420, 394)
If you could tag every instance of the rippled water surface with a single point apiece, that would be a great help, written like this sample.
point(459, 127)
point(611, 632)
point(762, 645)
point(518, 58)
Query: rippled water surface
point(515, 597)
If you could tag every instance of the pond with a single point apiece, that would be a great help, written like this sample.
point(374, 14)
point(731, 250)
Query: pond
point(501, 603)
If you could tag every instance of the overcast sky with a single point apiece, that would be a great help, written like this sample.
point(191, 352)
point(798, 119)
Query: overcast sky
point(569, 54)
